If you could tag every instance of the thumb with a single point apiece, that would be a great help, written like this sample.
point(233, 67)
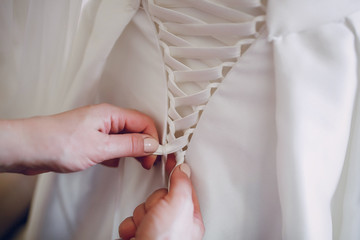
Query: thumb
point(130, 145)
point(180, 184)
point(181, 189)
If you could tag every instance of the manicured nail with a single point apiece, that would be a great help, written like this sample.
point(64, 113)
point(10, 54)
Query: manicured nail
point(150, 145)
point(185, 169)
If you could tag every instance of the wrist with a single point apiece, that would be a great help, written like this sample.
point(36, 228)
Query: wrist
point(24, 145)
point(11, 146)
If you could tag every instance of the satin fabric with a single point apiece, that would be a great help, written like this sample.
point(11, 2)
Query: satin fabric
point(274, 156)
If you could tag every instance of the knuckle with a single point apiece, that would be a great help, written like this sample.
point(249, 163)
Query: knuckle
point(105, 105)
point(136, 144)
point(102, 107)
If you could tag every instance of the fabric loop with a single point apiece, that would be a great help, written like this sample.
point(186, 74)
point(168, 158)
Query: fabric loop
point(199, 75)
point(186, 122)
point(172, 147)
point(173, 113)
point(205, 52)
point(193, 70)
point(221, 11)
point(244, 4)
point(173, 63)
point(172, 85)
point(170, 15)
point(229, 29)
point(195, 99)
point(172, 39)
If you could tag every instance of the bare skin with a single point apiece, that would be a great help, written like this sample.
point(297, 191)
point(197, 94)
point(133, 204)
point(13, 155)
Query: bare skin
point(173, 214)
point(75, 140)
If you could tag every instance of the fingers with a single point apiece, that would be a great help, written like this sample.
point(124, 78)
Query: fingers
point(128, 121)
point(154, 198)
point(127, 228)
point(138, 214)
point(197, 212)
point(170, 163)
point(130, 145)
point(113, 163)
point(180, 184)
point(148, 161)
point(31, 172)
point(181, 194)
point(135, 121)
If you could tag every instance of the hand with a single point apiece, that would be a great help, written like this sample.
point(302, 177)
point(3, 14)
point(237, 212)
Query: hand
point(167, 215)
point(75, 140)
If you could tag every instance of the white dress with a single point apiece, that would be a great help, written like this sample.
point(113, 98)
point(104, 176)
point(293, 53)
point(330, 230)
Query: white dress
point(261, 100)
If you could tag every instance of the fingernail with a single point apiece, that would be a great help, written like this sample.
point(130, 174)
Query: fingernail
point(185, 169)
point(150, 145)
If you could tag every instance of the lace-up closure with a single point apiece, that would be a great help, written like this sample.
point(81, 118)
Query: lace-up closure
point(201, 41)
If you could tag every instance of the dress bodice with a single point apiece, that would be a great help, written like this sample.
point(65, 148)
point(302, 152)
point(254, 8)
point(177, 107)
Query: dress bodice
point(200, 41)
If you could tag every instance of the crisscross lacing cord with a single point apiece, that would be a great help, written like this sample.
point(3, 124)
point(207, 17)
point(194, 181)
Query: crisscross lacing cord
point(201, 41)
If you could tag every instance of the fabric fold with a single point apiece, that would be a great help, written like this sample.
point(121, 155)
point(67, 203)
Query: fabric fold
point(316, 80)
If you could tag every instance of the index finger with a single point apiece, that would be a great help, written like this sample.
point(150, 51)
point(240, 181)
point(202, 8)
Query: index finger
point(114, 120)
point(121, 120)
point(134, 121)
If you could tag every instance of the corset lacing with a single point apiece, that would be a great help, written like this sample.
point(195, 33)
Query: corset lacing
point(201, 41)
